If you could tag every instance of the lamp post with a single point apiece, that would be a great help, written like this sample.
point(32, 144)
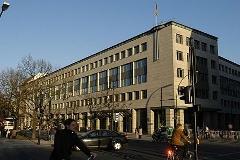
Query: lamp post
point(113, 109)
point(4, 7)
point(193, 79)
point(162, 100)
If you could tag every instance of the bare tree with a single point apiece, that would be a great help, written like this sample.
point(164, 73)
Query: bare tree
point(10, 80)
point(35, 87)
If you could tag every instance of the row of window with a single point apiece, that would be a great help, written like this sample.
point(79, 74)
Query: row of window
point(199, 60)
point(123, 54)
point(197, 44)
point(103, 80)
point(230, 104)
point(103, 100)
point(229, 70)
point(201, 77)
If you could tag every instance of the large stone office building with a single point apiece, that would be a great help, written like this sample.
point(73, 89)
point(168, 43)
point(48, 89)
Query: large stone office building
point(135, 83)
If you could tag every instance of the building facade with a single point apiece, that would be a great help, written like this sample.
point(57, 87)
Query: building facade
point(136, 83)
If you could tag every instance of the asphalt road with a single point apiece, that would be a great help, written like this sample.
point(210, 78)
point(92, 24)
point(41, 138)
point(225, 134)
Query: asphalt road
point(12, 149)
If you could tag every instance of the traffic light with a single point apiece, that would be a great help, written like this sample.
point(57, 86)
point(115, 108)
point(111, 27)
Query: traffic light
point(186, 93)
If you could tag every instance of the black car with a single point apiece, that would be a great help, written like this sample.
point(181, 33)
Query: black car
point(104, 139)
point(162, 134)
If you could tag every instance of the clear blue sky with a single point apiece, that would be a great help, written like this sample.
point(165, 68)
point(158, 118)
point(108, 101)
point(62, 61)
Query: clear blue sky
point(65, 31)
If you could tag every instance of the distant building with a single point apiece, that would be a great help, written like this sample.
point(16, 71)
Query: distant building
point(129, 77)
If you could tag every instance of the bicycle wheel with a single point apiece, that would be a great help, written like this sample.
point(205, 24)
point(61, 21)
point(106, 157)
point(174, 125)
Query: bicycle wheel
point(190, 155)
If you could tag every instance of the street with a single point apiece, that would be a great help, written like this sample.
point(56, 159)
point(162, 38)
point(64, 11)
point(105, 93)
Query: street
point(13, 149)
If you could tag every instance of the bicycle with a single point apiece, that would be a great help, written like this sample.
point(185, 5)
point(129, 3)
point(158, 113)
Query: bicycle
point(173, 154)
point(91, 157)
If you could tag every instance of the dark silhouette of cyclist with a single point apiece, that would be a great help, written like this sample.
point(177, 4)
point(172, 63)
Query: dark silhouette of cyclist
point(65, 140)
point(177, 136)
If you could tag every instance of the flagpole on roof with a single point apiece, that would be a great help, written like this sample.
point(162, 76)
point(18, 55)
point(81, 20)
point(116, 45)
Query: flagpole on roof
point(156, 13)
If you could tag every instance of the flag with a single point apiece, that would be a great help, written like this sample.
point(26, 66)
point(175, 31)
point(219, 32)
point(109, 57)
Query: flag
point(156, 10)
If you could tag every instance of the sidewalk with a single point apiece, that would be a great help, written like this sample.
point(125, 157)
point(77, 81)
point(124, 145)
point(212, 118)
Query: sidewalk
point(145, 137)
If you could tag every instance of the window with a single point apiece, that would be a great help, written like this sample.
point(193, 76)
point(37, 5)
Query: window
point(95, 64)
point(203, 78)
point(214, 79)
point(187, 41)
point(179, 39)
point(91, 66)
point(180, 72)
point(203, 94)
point(110, 59)
point(136, 94)
point(114, 77)
point(144, 46)
point(201, 61)
point(204, 46)
point(127, 74)
point(116, 56)
point(140, 71)
point(105, 60)
point(215, 95)
point(87, 67)
point(83, 68)
point(136, 49)
point(129, 51)
point(70, 87)
point(85, 85)
point(93, 82)
point(116, 97)
point(79, 71)
point(196, 44)
point(213, 64)
point(144, 94)
point(123, 54)
point(123, 97)
point(212, 49)
point(103, 85)
point(77, 86)
point(130, 96)
point(100, 62)
point(58, 92)
point(180, 55)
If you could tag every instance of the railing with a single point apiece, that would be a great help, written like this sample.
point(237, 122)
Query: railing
point(218, 135)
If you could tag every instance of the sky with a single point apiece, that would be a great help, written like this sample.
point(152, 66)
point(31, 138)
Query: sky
point(65, 31)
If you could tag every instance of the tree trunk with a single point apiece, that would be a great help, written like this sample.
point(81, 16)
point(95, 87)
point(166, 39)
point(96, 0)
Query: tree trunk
point(34, 119)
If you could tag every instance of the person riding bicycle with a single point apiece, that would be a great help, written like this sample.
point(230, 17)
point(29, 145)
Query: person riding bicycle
point(176, 139)
point(64, 141)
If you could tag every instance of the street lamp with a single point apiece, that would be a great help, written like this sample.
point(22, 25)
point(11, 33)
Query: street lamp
point(4, 7)
point(162, 100)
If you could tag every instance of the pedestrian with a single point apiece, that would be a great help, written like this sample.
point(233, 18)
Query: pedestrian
point(52, 133)
point(198, 132)
point(8, 135)
point(206, 132)
point(64, 141)
point(140, 132)
point(136, 133)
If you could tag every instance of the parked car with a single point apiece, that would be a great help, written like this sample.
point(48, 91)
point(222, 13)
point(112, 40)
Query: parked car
point(104, 139)
point(162, 134)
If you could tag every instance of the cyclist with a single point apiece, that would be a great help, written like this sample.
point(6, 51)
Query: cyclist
point(177, 136)
point(65, 140)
